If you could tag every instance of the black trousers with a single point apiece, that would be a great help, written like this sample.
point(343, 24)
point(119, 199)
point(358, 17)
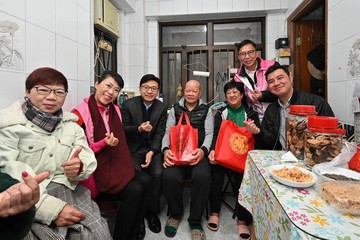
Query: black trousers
point(155, 171)
point(243, 214)
point(134, 202)
point(217, 182)
point(173, 183)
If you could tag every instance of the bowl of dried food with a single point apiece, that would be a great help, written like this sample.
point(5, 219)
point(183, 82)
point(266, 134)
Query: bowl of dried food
point(336, 174)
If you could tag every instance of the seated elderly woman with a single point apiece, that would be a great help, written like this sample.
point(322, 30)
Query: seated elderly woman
point(36, 136)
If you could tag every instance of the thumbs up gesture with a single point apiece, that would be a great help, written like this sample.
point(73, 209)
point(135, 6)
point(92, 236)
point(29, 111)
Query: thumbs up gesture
point(73, 166)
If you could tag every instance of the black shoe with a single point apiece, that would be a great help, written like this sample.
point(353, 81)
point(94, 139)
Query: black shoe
point(153, 222)
point(141, 232)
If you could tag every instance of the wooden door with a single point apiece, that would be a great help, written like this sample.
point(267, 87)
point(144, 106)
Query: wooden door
point(311, 33)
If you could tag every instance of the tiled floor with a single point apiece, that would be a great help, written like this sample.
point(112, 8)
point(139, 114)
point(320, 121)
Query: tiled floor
point(227, 230)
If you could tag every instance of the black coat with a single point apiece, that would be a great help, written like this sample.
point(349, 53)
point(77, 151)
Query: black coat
point(131, 112)
point(271, 123)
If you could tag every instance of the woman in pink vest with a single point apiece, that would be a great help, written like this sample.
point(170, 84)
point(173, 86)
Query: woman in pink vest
point(115, 177)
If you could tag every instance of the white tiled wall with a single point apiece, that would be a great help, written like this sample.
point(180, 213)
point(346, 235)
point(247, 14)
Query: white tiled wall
point(54, 33)
point(342, 33)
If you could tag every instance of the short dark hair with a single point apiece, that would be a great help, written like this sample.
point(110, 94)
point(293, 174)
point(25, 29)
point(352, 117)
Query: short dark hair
point(239, 86)
point(45, 76)
point(233, 84)
point(245, 42)
point(149, 77)
point(118, 79)
point(276, 67)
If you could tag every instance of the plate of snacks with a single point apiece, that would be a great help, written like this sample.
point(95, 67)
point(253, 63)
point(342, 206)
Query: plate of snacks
point(293, 176)
point(336, 174)
point(343, 196)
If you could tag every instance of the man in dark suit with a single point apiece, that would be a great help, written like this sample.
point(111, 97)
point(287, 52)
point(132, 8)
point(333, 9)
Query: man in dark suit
point(144, 121)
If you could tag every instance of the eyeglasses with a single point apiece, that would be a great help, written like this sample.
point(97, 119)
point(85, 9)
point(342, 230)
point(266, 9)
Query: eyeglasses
point(250, 53)
point(146, 88)
point(43, 90)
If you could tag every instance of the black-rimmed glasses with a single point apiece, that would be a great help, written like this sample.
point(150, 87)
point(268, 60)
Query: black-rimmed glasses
point(250, 53)
point(43, 90)
point(146, 88)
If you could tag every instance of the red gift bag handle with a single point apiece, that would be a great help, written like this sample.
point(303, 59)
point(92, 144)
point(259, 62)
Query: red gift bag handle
point(186, 119)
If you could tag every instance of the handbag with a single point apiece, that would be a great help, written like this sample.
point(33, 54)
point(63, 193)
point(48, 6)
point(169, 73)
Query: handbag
point(232, 145)
point(183, 141)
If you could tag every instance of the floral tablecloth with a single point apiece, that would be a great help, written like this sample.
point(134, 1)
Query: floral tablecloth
point(282, 212)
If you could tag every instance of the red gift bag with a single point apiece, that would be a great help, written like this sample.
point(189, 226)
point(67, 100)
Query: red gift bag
point(232, 145)
point(183, 141)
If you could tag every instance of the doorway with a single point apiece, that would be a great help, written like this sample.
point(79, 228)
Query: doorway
point(307, 35)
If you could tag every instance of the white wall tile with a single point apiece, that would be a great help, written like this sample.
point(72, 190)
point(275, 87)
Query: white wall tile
point(255, 5)
point(71, 100)
point(151, 8)
point(15, 8)
point(154, 71)
point(137, 36)
point(195, 6)
point(336, 21)
point(47, 17)
point(84, 28)
point(85, 64)
point(240, 5)
point(84, 4)
point(349, 90)
point(138, 15)
point(136, 57)
point(14, 89)
point(136, 74)
point(282, 28)
point(66, 19)
point(154, 55)
point(337, 94)
point(332, 3)
point(336, 63)
point(181, 6)
point(166, 7)
point(352, 18)
point(284, 3)
point(272, 4)
point(154, 36)
point(271, 31)
point(40, 48)
point(223, 5)
point(66, 57)
point(270, 51)
point(83, 91)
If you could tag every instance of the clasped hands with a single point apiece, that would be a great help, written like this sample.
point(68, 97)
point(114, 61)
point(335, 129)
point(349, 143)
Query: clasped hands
point(198, 155)
point(145, 127)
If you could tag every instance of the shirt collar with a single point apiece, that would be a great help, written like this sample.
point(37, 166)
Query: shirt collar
point(147, 106)
point(287, 104)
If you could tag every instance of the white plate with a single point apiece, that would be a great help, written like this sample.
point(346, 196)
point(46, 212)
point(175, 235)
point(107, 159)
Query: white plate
point(335, 170)
point(289, 182)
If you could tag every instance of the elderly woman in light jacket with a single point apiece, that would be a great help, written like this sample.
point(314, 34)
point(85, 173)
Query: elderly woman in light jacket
point(36, 136)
